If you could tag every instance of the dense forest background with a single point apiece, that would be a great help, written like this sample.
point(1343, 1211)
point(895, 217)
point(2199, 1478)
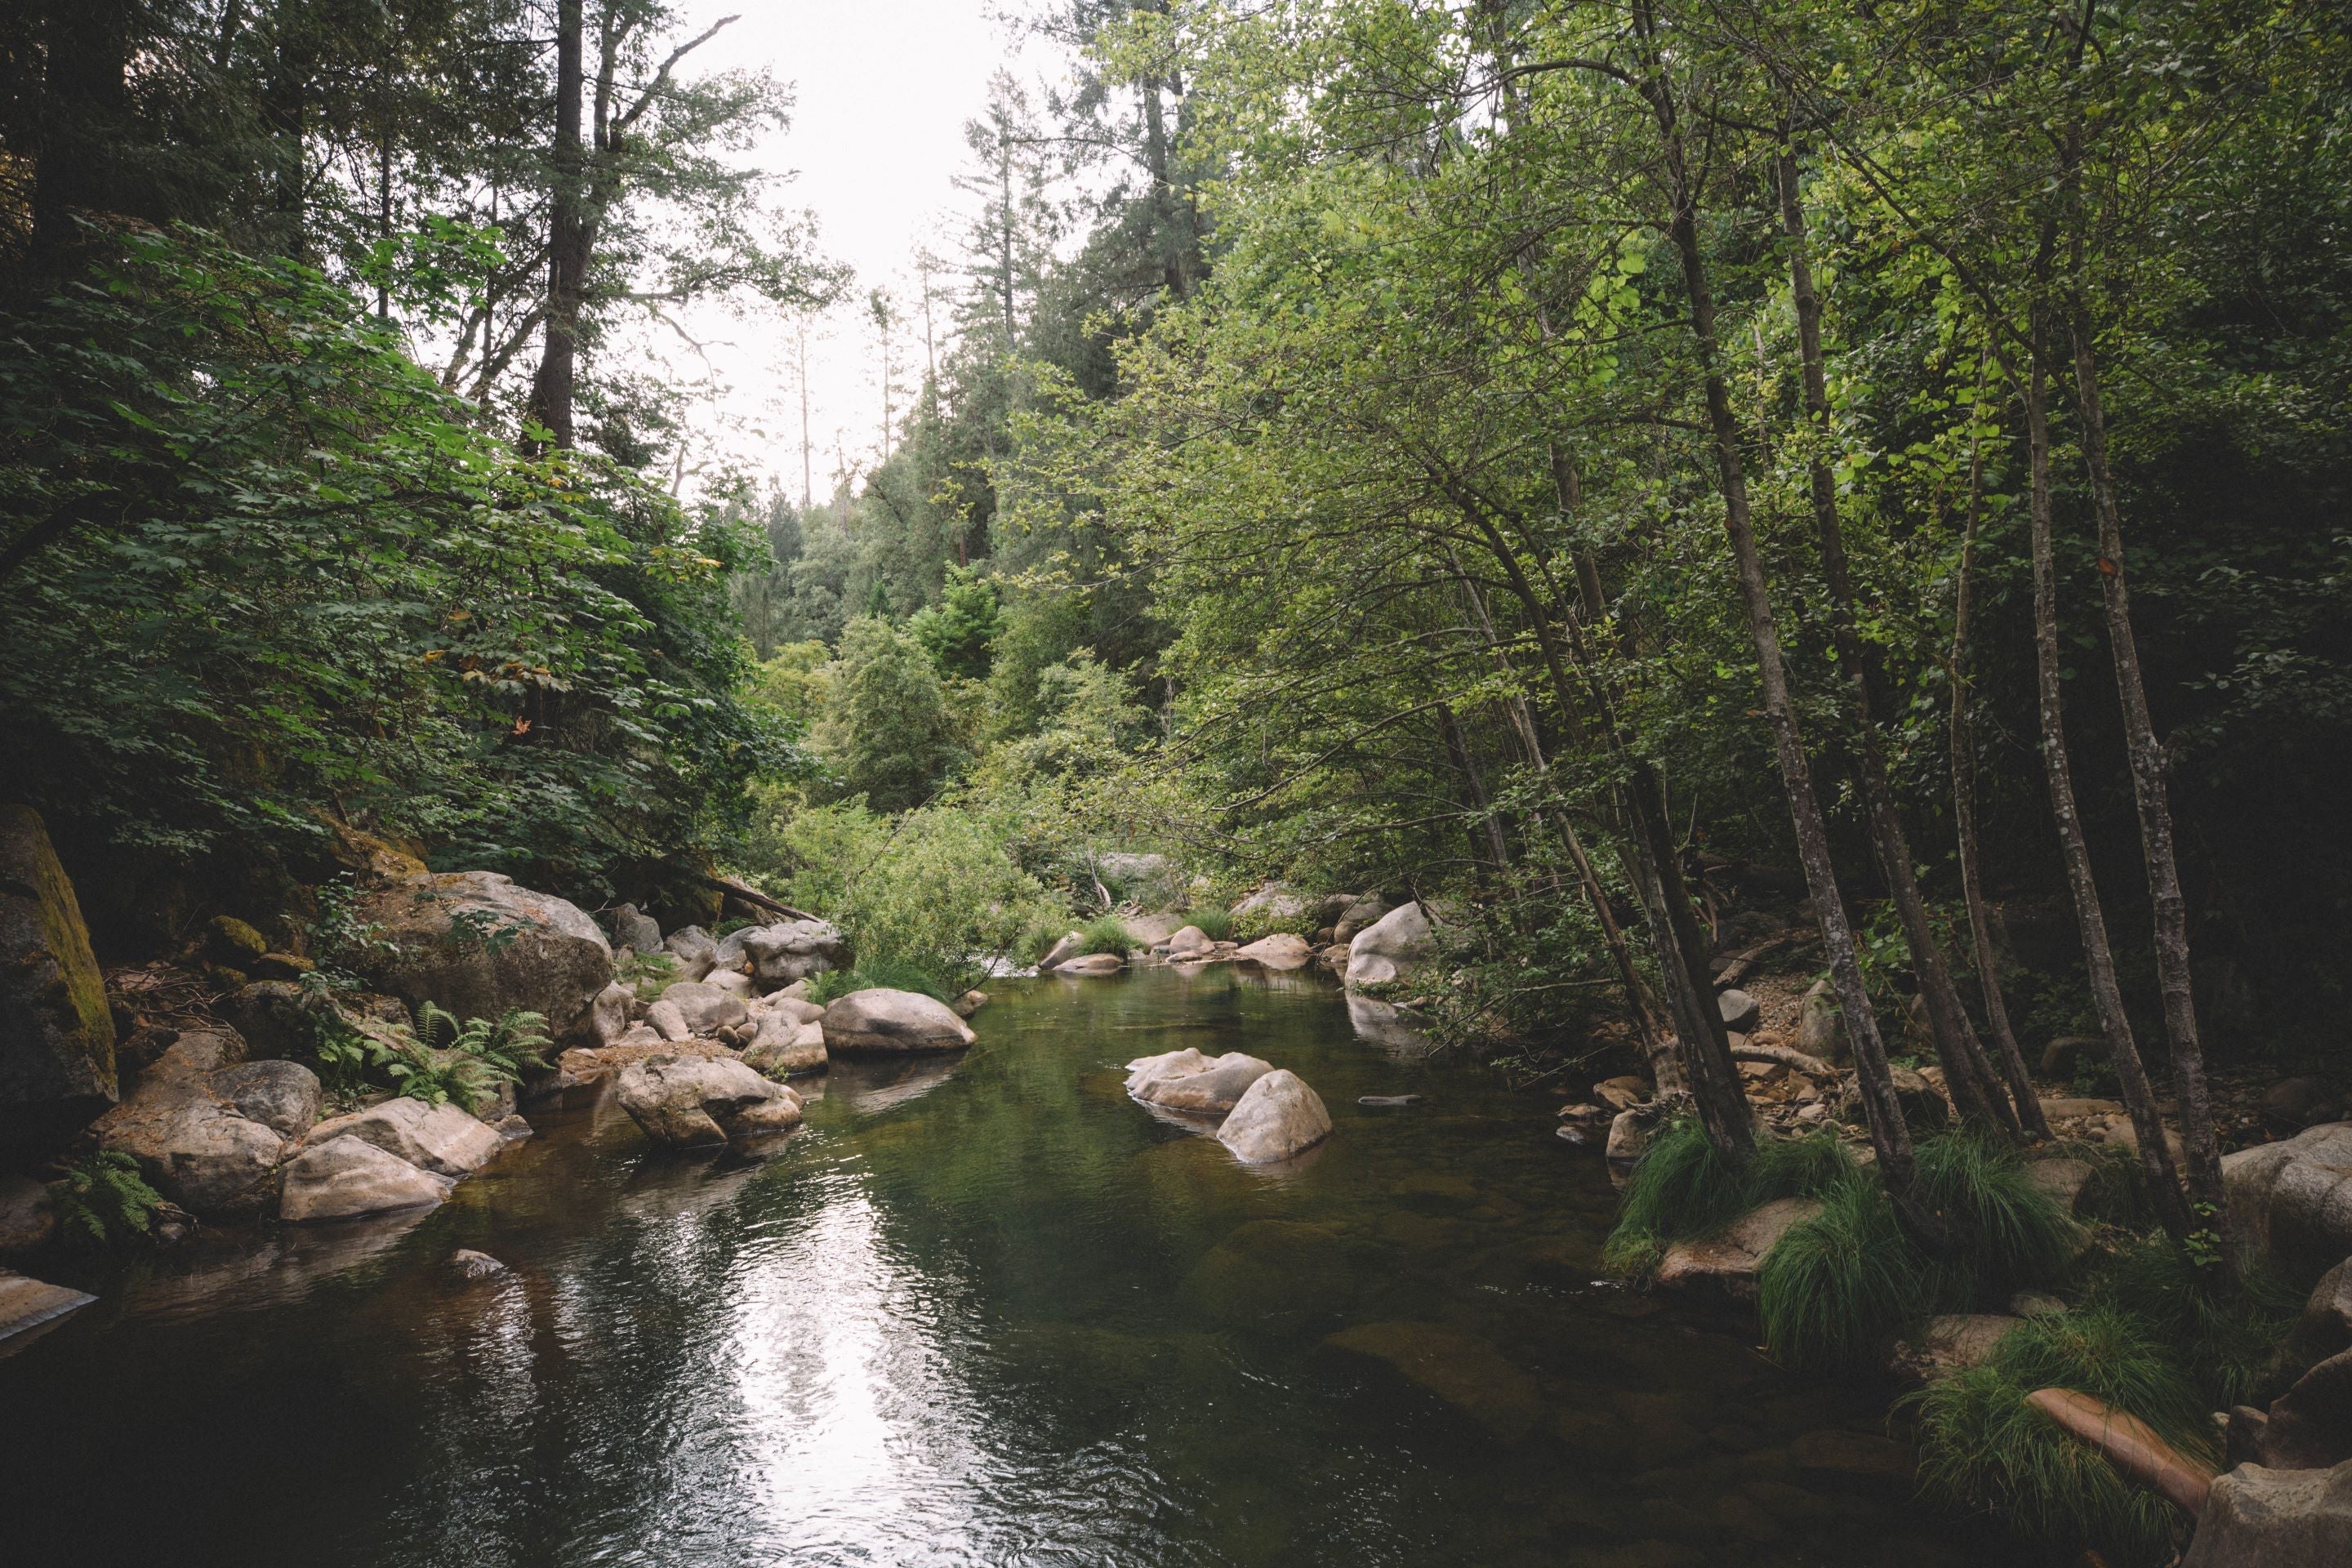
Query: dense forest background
point(1315, 463)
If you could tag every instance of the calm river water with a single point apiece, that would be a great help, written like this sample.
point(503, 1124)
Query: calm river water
point(985, 1310)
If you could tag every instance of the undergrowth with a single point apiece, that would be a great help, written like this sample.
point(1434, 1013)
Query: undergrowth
point(1683, 1186)
point(2230, 1340)
point(1216, 924)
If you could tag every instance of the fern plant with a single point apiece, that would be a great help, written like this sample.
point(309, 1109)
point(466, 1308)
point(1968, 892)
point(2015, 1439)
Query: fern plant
point(104, 1201)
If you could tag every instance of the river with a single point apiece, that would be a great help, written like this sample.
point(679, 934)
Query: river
point(978, 1310)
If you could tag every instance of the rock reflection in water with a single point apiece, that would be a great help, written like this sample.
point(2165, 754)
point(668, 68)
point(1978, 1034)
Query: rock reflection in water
point(1395, 1029)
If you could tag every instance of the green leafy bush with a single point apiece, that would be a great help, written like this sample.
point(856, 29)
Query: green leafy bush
point(104, 1202)
point(274, 570)
point(464, 1061)
point(1982, 1446)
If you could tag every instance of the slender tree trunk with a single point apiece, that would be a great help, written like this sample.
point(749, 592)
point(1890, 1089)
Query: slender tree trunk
point(1964, 818)
point(1713, 1077)
point(552, 390)
point(1890, 1136)
point(1665, 1070)
point(1966, 1073)
point(1484, 833)
point(2099, 958)
point(84, 113)
point(2149, 767)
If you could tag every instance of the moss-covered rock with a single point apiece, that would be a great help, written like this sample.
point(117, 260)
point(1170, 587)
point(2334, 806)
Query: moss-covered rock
point(57, 1034)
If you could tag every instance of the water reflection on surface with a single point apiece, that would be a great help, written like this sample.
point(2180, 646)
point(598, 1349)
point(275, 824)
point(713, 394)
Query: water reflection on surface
point(983, 1309)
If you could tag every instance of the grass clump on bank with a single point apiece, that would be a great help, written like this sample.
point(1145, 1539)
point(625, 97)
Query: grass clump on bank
point(1216, 924)
point(1107, 933)
point(1983, 1448)
point(1683, 1186)
point(2230, 1341)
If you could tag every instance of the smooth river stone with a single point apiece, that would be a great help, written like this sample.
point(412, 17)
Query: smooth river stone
point(1279, 1117)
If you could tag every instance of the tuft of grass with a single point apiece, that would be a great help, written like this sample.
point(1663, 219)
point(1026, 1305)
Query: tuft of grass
point(1982, 1446)
point(885, 973)
point(1107, 933)
point(1683, 1186)
point(1839, 1285)
point(2231, 1339)
point(1216, 924)
point(2006, 1231)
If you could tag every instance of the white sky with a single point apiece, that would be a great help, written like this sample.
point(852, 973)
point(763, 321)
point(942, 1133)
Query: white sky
point(883, 90)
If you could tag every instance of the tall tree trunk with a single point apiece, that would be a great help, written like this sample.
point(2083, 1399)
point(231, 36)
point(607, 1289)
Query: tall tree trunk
point(2149, 768)
point(1484, 833)
point(284, 109)
point(1966, 1073)
point(1890, 1136)
point(552, 390)
point(2099, 958)
point(1964, 819)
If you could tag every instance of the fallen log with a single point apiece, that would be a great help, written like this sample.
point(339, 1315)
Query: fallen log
point(2129, 1444)
point(746, 893)
point(1737, 968)
point(1796, 1062)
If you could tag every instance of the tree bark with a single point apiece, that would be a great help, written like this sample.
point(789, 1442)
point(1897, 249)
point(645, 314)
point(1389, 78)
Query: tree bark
point(552, 389)
point(1890, 1136)
point(2149, 767)
point(2099, 958)
point(1964, 819)
point(1975, 1092)
point(84, 114)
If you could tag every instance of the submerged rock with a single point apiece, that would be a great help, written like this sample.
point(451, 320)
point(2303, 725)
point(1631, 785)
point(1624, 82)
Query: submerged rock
point(1091, 963)
point(1468, 1374)
point(470, 1265)
point(345, 1177)
point(1277, 1118)
point(1273, 1275)
point(883, 1021)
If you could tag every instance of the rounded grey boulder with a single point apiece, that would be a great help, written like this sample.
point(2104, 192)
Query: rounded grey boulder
point(883, 1021)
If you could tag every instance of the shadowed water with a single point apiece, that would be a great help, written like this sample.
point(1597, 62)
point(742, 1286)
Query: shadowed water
point(985, 1310)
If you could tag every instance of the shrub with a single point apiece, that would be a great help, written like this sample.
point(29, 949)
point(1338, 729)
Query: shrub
point(103, 1201)
point(647, 974)
point(1982, 1446)
point(1107, 933)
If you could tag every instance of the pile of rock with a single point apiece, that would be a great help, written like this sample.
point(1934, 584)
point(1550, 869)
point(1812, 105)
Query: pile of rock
point(1267, 1113)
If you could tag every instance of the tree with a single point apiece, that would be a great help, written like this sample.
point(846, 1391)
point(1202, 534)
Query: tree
point(886, 728)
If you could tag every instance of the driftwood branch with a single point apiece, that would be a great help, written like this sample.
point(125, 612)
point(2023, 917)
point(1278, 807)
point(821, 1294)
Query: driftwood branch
point(1797, 1061)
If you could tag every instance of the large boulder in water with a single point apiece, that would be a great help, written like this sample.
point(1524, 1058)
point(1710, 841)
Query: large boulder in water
point(794, 949)
point(476, 943)
point(886, 1021)
point(1383, 951)
point(192, 1142)
point(1280, 951)
point(682, 1100)
point(441, 1139)
point(2291, 1202)
point(1215, 1086)
point(1277, 1118)
point(344, 1177)
point(57, 1034)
